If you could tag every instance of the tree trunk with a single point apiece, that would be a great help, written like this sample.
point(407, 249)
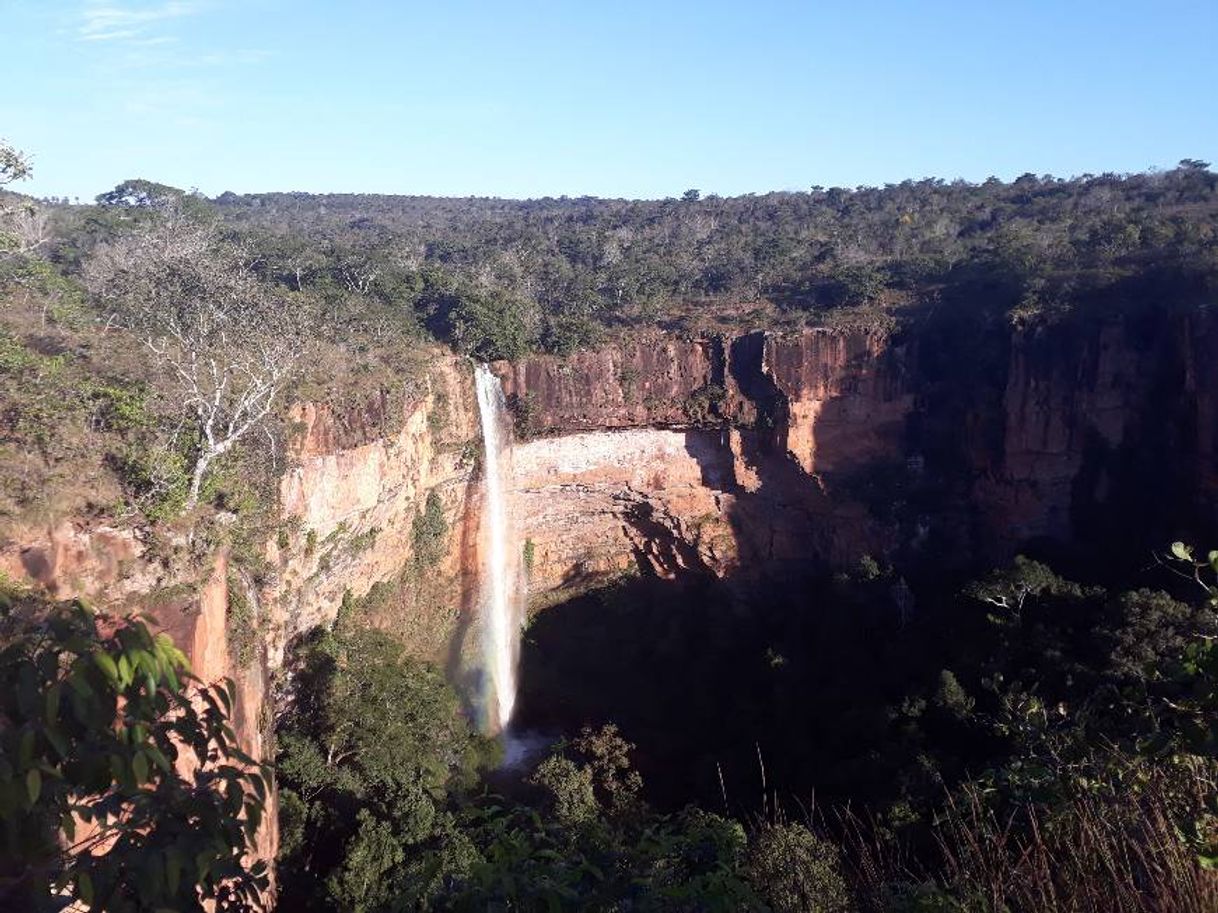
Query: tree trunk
point(196, 480)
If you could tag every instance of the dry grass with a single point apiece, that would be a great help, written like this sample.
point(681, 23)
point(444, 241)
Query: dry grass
point(1098, 854)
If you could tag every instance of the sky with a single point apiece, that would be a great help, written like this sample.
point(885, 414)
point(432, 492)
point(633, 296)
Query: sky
point(622, 99)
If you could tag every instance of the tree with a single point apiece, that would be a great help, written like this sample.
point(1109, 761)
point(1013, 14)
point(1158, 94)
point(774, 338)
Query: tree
point(1009, 588)
point(369, 746)
point(14, 164)
point(491, 327)
point(229, 343)
point(26, 225)
point(796, 871)
point(568, 789)
point(141, 193)
point(94, 801)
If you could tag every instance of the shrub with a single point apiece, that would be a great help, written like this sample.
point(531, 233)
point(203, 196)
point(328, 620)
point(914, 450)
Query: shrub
point(570, 330)
point(568, 789)
point(524, 415)
point(240, 625)
point(703, 405)
point(437, 417)
point(157, 477)
point(429, 532)
point(121, 409)
point(796, 871)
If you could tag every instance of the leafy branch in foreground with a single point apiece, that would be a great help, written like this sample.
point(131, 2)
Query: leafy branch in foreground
point(121, 784)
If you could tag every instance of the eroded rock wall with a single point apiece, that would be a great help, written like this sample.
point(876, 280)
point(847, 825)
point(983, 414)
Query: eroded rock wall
point(350, 504)
point(357, 481)
point(776, 451)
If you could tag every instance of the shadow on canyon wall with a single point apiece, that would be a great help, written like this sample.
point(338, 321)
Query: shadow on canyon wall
point(1090, 447)
point(808, 676)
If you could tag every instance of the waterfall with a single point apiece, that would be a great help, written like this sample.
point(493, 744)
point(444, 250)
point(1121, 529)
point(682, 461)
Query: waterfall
point(502, 584)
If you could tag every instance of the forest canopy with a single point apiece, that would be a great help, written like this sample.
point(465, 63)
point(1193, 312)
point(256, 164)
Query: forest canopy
point(499, 278)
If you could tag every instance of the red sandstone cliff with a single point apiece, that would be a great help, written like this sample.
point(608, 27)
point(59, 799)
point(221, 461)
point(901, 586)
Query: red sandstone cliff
point(746, 454)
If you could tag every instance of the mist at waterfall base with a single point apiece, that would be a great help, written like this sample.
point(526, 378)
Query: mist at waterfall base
point(502, 597)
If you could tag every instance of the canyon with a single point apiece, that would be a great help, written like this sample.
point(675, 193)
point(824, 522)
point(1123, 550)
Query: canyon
point(732, 458)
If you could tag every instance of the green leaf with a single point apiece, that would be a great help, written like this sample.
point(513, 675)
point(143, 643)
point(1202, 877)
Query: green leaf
point(52, 710)
point(124, 672)
point(1182, 551)
point(139, 766)
point(84, 884)
point(173, 871)
point(79, 684)
point(33, 785)
point(58, 742)
point(106, 663)
point(158, 758)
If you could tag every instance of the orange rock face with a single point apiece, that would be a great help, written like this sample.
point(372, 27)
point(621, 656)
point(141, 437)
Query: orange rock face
point(767, 451)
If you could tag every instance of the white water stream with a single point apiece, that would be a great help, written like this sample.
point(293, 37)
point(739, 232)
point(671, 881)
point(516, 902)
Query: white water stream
point(502, 579)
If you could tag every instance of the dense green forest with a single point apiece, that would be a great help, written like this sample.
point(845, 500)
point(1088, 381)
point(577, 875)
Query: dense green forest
point(502, 277)
point(1023, 742)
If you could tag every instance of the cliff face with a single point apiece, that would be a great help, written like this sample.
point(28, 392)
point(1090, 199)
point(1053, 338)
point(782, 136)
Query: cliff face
point(1105, 429)
point(745, 455)
point(708, 457)
point(351, 500)
point(651, 380)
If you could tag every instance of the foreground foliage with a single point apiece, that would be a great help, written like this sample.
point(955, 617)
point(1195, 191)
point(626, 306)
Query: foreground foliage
point(121, 783)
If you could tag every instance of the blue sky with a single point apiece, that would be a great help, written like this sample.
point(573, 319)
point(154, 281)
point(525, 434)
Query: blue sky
point(639, 99)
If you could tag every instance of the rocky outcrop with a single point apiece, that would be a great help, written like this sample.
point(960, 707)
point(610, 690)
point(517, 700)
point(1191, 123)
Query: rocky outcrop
point(199, 625)
point(74, 558)
point(767, 451)
point(350, 504)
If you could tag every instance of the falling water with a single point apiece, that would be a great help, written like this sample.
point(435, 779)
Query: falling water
point(502, 583)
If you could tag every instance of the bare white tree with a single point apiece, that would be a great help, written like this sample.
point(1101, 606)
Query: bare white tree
point(22, 226)
point(27, 228)
point(229, 342)
point(14, 164)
